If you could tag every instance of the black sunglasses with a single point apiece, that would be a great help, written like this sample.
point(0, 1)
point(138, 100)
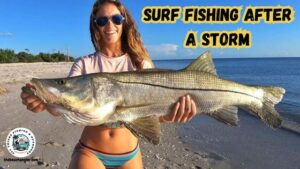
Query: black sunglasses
point(102, 1)
point(117, 19)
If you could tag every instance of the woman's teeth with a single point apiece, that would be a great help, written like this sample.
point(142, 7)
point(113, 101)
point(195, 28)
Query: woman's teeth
point(110, 32)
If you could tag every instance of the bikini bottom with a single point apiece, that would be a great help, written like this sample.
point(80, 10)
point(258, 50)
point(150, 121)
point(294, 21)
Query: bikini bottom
point(110, 161)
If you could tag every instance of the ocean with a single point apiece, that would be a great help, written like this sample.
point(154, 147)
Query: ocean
point(284, 72)
point(251, 144)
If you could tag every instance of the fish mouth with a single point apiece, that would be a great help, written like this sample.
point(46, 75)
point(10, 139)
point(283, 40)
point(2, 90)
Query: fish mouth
point(40, 89)
point(31, 89)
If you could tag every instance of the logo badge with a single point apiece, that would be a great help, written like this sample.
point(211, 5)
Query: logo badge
point(20, 142)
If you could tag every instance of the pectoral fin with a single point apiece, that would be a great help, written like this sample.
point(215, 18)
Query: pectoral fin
point(146, 127)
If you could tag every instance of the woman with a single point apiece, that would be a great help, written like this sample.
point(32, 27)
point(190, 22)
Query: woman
point(118, 48)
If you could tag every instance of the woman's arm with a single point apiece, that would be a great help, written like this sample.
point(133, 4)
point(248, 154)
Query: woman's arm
point(52, 111)
point(77, 68)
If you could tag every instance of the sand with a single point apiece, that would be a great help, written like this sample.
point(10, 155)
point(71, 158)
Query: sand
point(56, 138)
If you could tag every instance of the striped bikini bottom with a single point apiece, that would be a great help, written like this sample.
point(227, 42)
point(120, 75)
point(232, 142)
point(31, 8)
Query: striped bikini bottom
point(110, 161)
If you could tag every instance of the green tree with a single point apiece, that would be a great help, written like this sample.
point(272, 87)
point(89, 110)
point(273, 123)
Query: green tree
point(7, 56)
point(45, 57)
point(24, 57)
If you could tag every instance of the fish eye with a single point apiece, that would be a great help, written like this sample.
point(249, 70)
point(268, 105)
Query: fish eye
point(61, 82)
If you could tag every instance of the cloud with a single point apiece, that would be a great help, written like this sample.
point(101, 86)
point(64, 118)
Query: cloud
point(190, 53)
point(6, 34)
point(163, 49)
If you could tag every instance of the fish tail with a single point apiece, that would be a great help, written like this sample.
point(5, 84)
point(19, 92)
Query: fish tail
point(268, 113)
point(273, 94)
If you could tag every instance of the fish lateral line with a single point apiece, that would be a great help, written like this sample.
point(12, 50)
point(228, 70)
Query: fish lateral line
point(194, 89)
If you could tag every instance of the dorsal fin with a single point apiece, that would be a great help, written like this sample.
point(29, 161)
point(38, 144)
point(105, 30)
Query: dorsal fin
point(203, 63)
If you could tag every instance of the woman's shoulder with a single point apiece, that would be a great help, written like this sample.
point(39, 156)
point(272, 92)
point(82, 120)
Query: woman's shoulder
point(147, 64)
point(85, 58)
point(81, 65)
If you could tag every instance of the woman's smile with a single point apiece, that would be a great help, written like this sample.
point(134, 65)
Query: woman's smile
point(110, 32)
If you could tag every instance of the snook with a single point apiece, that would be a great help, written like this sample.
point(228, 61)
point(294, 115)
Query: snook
point(138, 98)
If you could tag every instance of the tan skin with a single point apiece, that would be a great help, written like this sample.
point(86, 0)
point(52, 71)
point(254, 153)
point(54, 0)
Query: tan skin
point(109, 140)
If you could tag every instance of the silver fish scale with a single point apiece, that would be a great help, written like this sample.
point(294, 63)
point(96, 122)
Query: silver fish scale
point(144, 98)
point(182, 80)
point(105, 91)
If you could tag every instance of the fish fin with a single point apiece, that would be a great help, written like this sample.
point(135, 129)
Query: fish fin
point(203, 63)
point(146, 127)
point(273, 94)
point(227, 115)
point(270, 116)
point(268, 113)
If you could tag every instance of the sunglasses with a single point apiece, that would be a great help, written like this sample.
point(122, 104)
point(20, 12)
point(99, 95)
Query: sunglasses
point(102, 1)
point(117, 19)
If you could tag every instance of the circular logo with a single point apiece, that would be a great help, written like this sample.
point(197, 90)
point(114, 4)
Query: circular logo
point(20, 142)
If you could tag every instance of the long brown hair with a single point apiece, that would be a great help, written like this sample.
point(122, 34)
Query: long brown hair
point(131, 38)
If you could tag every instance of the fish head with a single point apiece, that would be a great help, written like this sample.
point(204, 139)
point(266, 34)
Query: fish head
point(71, 93)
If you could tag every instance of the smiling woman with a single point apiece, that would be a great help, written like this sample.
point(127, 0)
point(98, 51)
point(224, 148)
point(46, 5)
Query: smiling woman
point(109, 23)
point(118, 48)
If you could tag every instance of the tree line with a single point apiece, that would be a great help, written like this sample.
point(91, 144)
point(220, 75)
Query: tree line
point(9, 56)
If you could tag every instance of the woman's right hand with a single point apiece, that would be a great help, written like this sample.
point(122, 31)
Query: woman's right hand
point(32, 103)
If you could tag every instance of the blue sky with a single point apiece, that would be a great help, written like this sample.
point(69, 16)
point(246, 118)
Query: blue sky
point(50, 26)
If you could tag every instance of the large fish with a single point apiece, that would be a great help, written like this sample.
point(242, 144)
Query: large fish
point(138, 98)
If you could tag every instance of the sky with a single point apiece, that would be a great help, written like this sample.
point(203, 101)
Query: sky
point(56, 25)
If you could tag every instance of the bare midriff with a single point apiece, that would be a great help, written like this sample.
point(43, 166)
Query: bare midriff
point(109, 140)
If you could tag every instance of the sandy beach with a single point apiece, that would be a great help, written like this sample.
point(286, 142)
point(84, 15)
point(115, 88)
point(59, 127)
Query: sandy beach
point(201, 144)
point(56, 138)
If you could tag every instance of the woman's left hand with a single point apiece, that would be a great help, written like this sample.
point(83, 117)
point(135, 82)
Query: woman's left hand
point(183, 111)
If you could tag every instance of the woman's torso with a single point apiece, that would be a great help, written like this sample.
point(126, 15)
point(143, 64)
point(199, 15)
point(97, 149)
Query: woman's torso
point(110, 140)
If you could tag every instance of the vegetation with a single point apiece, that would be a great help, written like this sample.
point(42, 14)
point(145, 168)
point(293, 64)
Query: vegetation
point(9, 56)
point(3, 90)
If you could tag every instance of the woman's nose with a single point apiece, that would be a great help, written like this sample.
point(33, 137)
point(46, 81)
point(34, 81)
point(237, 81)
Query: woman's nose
point(110, 23)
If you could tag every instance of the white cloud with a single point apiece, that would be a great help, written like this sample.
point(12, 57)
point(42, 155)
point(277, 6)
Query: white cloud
point(6, 34)
point(163, 49)
point(190, 52)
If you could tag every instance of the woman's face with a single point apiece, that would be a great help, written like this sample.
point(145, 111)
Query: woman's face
point(110, 33)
